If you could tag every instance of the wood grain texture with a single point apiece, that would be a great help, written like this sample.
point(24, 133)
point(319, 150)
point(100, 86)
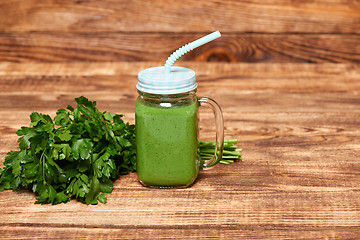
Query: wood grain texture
point(298, 125)
point(325, 16)
point(254, 48)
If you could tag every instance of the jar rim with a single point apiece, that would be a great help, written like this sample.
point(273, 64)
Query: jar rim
point(173, 95)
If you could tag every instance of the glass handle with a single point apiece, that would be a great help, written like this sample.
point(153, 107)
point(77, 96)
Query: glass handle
point(219, 122)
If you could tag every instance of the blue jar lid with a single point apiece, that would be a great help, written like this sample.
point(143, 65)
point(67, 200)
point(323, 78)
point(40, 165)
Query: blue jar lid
point(156, 81)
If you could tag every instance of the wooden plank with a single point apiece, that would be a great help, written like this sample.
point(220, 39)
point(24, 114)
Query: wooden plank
point(119, 70)
point(298, 125)
point(223, 232)
point(336, 16)
point(64, 47)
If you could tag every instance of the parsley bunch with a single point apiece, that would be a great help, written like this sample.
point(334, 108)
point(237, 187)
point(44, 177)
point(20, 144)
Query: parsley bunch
point(77, 155)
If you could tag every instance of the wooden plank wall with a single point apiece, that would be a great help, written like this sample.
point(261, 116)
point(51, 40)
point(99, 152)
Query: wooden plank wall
point(298, 31)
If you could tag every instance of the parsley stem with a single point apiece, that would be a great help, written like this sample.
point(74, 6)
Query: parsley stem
point(43, 165)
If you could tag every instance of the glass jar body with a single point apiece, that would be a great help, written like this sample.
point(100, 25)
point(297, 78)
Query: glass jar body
point(167, 139)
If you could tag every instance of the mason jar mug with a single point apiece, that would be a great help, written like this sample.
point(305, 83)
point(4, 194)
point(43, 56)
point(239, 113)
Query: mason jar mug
point(166, 120)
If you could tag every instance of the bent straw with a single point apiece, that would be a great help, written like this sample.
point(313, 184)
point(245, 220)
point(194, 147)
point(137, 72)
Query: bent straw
point(188, 47)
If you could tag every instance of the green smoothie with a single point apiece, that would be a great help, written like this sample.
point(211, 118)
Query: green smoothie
point(166, 141)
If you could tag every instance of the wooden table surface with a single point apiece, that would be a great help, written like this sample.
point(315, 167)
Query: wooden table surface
point(298, 126)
